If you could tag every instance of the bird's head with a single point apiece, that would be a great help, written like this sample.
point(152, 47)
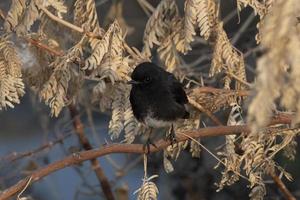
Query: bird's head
point(146, 75)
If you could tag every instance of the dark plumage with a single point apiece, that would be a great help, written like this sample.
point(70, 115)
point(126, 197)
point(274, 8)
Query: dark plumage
point(157, 97)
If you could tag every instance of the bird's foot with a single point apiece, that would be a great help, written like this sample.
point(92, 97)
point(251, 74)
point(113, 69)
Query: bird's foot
point(146, 147)
point(171, 136)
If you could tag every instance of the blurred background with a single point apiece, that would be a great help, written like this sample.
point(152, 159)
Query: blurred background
point(29, 126)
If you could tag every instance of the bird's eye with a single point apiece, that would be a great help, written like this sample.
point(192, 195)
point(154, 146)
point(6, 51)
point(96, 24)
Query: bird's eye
point(147, 79)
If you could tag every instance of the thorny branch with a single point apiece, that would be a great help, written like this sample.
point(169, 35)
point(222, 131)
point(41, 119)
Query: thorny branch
point(132, 148)
point(78, 126)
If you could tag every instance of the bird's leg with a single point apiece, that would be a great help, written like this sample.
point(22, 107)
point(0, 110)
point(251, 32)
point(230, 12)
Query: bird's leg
point(146, 146)
point(171, 135)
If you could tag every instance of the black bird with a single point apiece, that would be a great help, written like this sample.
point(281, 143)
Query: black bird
point(157, 97)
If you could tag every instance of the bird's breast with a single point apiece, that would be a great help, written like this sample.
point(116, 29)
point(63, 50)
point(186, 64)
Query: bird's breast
point(156, 123)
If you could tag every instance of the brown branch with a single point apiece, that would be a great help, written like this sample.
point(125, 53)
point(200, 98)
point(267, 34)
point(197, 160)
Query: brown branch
point(201, 108)
point(78, 126)
point(124, 148)
point(287, 194)
point(43, 46)
point(241, 93)
point(238, 78)
point(2, 16)
point(67, 24)
point(79, 29)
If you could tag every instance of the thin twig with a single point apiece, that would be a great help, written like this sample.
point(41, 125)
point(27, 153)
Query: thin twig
point(237, 78)
point(43, 46)
point(146, 6)
point(100, 3)
point(243, 28)
point(229, 16)
point(147, 12)
point(78, 29)
point(87, 146)
point(16, 156)
point(2, 15)
point(207, 112)
point(240, 93)
point(65, 23)
point(214, 156)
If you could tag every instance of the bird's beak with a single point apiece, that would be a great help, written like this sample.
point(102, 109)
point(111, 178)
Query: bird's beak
point(133, 82)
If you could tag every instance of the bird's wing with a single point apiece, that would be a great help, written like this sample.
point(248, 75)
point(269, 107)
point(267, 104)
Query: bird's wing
point(176, 89)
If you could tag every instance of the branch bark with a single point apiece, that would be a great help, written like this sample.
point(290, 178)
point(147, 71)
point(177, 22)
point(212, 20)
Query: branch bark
point(287, 194)
point(78, 126)
point(241, 93)
point(128, 148)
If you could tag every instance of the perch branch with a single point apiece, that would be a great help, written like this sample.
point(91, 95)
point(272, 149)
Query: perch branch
point(129, 148)
point(78, 126)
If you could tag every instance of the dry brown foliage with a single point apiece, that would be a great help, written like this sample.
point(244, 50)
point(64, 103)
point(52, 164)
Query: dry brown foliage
point(103, 59)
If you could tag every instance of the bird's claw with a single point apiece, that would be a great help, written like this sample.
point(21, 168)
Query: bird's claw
point(171, 137)
point(146, 147)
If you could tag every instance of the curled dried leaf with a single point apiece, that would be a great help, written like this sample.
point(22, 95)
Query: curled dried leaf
point(148, 190)
point(11, 83)
point(158, 25)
